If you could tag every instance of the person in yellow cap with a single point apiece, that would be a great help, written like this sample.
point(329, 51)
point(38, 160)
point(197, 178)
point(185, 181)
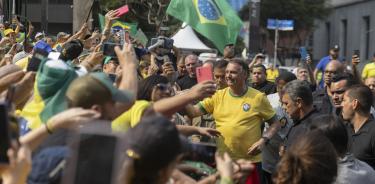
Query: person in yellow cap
point(11, 34)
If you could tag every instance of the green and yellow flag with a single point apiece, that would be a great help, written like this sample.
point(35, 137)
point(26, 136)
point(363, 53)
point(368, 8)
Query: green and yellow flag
point(131, 27)
point(214, 19)
point(49, 99)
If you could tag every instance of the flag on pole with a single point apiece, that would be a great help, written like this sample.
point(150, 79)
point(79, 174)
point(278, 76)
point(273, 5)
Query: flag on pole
point(131, 27)
point(214, 19)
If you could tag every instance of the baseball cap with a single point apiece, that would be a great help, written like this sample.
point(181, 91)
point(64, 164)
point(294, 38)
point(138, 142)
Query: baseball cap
point(93, 88)
point(8, 31)
point(336, 48)
point(62, 34)
point(42, 45)
point(107, 59)
point(38, 34)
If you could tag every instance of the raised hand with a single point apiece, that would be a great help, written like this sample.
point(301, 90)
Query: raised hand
point(126, 55)
point(203, 90)
point(72, 118)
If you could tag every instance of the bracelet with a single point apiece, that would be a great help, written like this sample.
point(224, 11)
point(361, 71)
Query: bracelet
point(48, 128)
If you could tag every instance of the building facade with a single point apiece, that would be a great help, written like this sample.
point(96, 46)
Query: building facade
point(351, 25)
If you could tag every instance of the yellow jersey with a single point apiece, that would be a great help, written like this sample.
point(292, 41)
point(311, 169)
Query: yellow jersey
point(131, 117)
point(22, 63)
point(272, 74)
point(368, 71)
point(239, 120)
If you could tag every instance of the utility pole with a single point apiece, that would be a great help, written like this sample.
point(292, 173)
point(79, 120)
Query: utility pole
point(254, 33)
point(276, 42)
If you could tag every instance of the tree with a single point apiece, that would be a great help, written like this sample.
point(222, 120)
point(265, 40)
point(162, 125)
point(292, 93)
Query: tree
point(303, 12)
point(149, 14)
point(142, 11)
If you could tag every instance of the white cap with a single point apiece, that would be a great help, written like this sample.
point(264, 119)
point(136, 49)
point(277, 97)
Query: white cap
point(38, 34)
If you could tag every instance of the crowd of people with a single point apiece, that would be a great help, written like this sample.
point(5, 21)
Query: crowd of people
point(76, 114)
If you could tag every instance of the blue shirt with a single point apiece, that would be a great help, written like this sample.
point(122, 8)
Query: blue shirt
point(321, 66)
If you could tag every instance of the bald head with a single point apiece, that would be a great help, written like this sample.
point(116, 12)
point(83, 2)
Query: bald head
point(370, 82)
point(191, 63)
point(333, 68)
point(337, 65)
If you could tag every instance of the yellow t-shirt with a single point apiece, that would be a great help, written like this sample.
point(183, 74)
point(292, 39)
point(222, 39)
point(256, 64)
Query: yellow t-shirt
point(272, 74)
point(368, 71)
point(131, 117)
point(239, 120)
point(22, 63)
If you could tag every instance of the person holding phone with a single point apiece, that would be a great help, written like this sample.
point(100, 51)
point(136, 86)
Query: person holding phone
point(239, 112)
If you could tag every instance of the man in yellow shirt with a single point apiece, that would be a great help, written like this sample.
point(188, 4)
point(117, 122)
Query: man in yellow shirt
point(272, 73)
point(239, 112)
point(369, 69)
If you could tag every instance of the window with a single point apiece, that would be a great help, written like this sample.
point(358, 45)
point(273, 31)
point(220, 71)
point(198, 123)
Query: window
point(344, 33)
point(366, 36)
point(328, 33)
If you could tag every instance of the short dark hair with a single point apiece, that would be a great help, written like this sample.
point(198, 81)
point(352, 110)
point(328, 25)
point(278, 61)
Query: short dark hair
point(363, 94)
point(334, 129)
point(286, 76)
point(242, 63)
point(299, 89)
point(71, 50)
point(350, 81)
point(262, 67)
point(146, 86)
point(222, 63)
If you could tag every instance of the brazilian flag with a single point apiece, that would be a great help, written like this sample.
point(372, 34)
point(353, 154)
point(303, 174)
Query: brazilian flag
point(131, 27)
point(49, 99)
point(214, 19)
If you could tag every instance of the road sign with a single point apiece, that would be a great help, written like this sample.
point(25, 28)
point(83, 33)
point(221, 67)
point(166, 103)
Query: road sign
point(282, 25)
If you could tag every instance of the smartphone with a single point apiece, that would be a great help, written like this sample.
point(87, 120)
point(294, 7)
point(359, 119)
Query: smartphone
point(122, 10)
point(112, 77)
point(127, 37)
point(109, 49)
point(303, 53)
point(202, 152)
point(37, 58)
point(4, 134)
point(356, 52)
point(204, 74)
point(94, 158)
